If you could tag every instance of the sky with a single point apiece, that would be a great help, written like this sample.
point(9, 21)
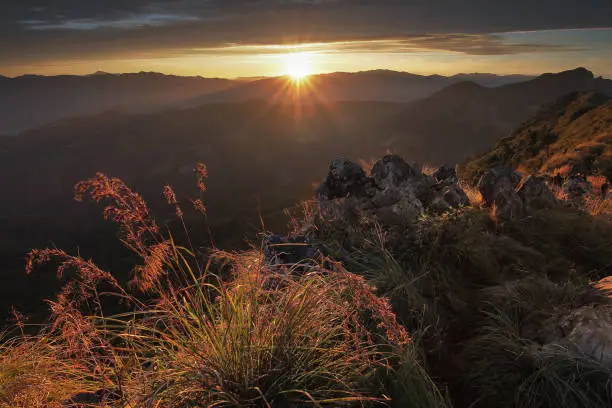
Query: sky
point(244, 38)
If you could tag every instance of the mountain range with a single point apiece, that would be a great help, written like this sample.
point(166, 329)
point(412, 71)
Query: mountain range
point(31, 101)
point(377, 85)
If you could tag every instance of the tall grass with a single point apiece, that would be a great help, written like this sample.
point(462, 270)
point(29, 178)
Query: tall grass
point(215, 329)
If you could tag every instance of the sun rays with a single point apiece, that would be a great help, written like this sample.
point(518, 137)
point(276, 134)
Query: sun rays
point(297, 65)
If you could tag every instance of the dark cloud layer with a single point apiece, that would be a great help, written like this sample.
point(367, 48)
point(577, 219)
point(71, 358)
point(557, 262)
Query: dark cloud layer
point(35, 30)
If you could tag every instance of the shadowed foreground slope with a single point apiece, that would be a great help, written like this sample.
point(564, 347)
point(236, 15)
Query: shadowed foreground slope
point(444, 305)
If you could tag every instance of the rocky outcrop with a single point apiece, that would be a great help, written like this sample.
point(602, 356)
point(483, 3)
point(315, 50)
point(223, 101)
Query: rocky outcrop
point(511, 196)
point(496, 181)
point(395, 193)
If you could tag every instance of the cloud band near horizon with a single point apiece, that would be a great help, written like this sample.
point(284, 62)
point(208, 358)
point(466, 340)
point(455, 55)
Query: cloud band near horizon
point(64, 35)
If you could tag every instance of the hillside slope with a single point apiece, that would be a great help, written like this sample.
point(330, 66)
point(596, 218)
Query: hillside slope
point(466, 118)
point(575, 131)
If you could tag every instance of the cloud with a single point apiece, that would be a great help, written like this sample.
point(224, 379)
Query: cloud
point(469, 44)
point(36, 30)
point(128, 22)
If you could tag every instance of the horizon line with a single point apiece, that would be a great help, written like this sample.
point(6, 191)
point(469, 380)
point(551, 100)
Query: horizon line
point(260, 77)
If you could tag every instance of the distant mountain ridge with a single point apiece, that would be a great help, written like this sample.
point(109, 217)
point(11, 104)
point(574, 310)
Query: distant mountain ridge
point(375, 85)
point(30, 101)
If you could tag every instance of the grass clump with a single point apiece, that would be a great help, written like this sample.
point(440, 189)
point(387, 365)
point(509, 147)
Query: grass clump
point(209, 329)
point(38, 372)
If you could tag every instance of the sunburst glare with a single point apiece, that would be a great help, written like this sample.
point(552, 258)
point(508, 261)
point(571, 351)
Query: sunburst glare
point(297, 65)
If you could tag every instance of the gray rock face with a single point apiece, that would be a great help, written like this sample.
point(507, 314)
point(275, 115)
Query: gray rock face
point(392, 170)
point(535, 193)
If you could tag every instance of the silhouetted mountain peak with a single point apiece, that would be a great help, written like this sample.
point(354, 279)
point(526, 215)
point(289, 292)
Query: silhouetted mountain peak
point(579, 73)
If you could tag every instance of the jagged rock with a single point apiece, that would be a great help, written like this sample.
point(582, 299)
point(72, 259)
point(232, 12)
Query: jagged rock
point(445, 175)
point(535, 193)
point(391, 171)
point(500, 178)
point(455, 196)
point(395, 194)
point(289, 251)
point(343, 179)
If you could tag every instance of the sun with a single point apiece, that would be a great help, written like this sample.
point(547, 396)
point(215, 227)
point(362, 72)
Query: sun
point(298, 66)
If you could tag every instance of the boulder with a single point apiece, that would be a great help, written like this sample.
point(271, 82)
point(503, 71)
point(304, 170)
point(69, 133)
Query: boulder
point(391, 171)
point(590, 331)
point(445, 175)
point(497, 187)
point(587, 330)
point(535, 193)
point(455, 196)
point(500, 178)
point(401, 206)
point(344, 178)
